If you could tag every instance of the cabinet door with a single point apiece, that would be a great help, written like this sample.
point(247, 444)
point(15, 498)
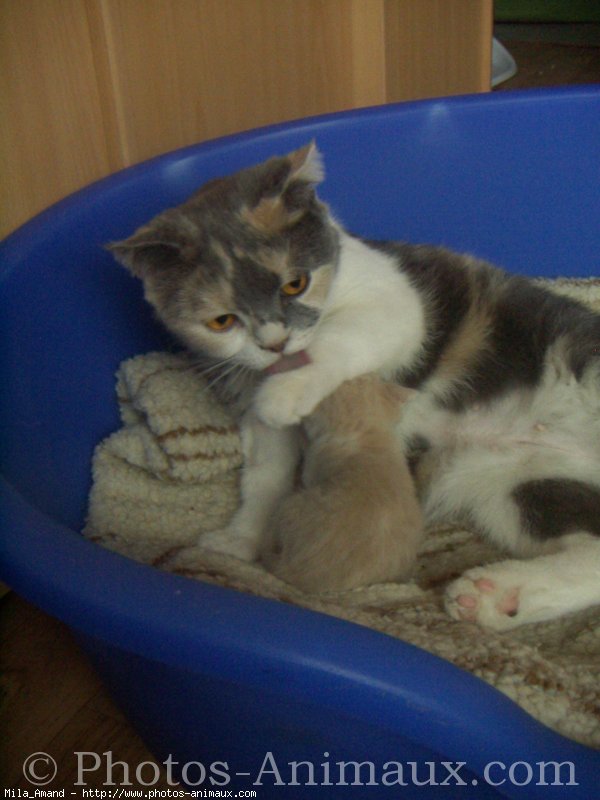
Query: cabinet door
point(90, 86)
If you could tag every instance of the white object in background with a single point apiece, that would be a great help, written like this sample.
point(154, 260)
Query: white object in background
point(503, 64)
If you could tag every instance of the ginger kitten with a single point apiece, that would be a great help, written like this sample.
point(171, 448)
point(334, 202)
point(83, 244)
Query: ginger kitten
point(356, 520)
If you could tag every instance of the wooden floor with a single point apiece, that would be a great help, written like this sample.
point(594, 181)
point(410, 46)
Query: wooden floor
point(53, 703)
point(51, 700)
point(552, 64)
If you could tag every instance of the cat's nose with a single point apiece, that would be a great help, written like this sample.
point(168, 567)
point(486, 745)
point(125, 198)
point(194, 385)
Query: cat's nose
point(276, 347)
point(272, 336)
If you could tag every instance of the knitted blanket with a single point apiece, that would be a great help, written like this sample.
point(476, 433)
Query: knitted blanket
point(171, 473)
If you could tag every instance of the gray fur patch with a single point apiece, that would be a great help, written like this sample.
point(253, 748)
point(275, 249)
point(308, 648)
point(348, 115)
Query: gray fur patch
point(298, 315)
point(256, 291)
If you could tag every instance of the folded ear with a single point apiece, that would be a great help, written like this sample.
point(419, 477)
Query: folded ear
point(286, 190)
point(159, 244)
point(307, 164)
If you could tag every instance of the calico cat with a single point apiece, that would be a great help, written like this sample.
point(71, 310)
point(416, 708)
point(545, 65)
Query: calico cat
point(283, 305)
point(356, 519)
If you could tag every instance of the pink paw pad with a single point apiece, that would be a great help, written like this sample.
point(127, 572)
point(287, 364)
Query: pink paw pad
point(467, 607)
point(509, 604)
point(468, 604)
point(485, 585)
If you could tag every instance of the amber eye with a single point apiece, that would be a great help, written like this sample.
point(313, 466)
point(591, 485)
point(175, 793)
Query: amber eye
point(296, 286)
point(222, 323)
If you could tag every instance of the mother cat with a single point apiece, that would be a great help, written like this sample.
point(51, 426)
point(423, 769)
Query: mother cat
point(282, 305)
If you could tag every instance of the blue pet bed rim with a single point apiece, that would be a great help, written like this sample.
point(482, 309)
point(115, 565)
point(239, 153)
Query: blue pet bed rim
point(41, 226)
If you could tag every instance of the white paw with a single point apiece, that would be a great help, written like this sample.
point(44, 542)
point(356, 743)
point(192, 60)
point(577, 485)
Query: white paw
point(286, 399)
point(231, 543)
point(489, 596)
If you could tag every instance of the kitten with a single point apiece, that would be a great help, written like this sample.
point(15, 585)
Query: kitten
point(357, 520)
point(254, 274)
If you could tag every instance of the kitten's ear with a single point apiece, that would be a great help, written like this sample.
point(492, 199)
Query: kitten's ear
point(154, 246)
point(403, 393)
point(395, 394)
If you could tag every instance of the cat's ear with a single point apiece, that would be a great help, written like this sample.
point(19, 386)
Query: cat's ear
point(307, 165)
point(287, 190)
point(159, 244)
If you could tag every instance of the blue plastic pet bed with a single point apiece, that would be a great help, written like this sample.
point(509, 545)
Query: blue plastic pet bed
point(207, 675)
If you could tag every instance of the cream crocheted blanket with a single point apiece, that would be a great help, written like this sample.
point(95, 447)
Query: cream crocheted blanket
point(171, 473)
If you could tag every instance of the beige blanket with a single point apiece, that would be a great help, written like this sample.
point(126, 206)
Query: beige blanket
point(171, 473)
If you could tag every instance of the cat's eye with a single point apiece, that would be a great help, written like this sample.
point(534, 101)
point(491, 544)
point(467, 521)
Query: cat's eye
point(223, 323)
point(296, 286)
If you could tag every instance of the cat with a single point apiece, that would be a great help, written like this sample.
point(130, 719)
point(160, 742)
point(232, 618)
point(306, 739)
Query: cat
point(282, 305)
point(356, 520)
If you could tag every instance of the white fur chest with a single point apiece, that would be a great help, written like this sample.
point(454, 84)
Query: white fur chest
point(374, 306)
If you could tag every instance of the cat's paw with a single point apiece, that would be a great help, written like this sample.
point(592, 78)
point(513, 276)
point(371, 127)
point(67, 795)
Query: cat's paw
point(286, 399)
point(231, 543)
point(489, 596)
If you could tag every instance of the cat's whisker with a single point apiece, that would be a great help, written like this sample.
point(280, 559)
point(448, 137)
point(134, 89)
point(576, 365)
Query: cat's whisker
point(207, 370)
point(242, 376)
point(222, 369)
point(224, 374)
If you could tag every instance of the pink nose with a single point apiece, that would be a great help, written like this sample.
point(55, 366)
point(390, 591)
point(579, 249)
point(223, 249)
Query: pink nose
point(277, 347)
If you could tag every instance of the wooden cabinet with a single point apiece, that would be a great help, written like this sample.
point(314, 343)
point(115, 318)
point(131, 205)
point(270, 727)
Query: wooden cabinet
point(90, 86)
